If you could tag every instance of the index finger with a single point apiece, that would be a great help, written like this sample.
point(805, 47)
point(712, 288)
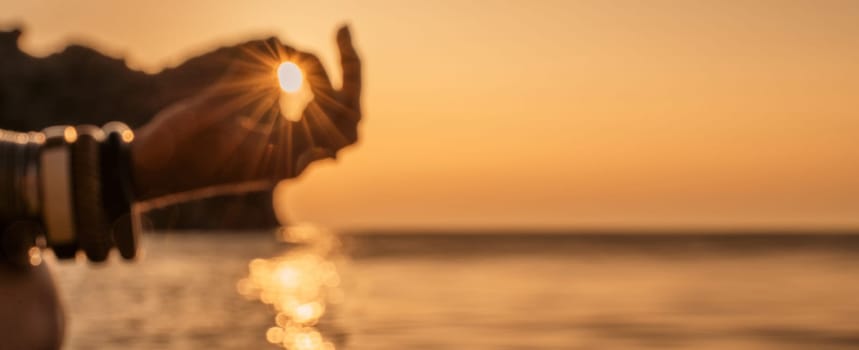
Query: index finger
point(351, 64)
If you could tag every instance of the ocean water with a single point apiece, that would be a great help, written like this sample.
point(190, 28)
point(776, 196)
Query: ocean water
point(472, 291)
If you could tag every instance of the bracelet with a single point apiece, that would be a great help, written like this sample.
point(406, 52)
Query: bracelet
point(117, 189)
point(77, 182)
point(13, 158)
point(29, 183)
point(7, 148)
point(56, 190)
point(19, 210)
point(90, 219)
point(19, 157)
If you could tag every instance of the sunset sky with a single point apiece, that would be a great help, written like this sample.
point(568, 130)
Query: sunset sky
point(545, 114)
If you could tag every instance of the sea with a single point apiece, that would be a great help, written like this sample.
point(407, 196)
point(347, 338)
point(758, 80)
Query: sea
point(307, 288)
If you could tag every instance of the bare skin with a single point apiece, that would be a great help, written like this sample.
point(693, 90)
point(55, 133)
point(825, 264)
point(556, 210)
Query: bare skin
point(31, 316)
point(216, 139)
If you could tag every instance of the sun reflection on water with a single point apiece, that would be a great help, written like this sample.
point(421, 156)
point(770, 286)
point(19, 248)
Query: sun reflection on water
point(300, 285)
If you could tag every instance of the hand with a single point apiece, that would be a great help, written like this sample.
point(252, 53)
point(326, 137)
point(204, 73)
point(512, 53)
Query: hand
point(234, 133)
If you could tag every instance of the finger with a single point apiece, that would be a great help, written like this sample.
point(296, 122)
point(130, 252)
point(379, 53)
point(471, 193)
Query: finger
point(315, 74)
point(262, 53)
point(351, 64)
point(248, 66)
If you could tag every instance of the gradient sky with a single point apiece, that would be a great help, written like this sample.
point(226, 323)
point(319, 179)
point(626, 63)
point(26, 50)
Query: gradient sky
point(546, 113)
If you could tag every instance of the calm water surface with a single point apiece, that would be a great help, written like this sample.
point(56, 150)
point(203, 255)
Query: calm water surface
point(246, 291)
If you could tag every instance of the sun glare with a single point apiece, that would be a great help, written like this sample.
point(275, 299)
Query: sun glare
point(290, 76)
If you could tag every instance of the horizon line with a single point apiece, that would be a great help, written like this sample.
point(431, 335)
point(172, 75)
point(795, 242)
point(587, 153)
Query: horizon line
point(619, 231)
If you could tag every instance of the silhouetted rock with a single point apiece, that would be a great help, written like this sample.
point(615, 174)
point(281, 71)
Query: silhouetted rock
point(80, 85)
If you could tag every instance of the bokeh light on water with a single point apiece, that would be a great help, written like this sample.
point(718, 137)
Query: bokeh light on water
point(299, 285)
point(480, 292)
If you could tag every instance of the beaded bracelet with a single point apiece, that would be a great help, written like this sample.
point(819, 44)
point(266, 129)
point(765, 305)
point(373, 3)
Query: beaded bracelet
point(91, 227)
point(117, 190)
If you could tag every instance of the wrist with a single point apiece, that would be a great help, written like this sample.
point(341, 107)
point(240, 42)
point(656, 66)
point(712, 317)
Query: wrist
point(147, 162)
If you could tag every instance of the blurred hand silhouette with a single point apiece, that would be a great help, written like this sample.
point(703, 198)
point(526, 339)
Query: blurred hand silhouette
point(234, 133)
point(231, 133)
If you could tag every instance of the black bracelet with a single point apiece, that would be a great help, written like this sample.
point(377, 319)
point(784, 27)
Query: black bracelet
point(93, 236)
point(20, 207)
point(13, 158)
point(8, 167)
point(117, 189)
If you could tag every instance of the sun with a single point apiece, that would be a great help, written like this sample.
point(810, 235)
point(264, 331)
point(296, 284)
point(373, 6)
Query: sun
point(290, 77)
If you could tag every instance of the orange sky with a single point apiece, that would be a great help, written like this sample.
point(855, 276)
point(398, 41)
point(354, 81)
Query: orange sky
point(547, 113)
